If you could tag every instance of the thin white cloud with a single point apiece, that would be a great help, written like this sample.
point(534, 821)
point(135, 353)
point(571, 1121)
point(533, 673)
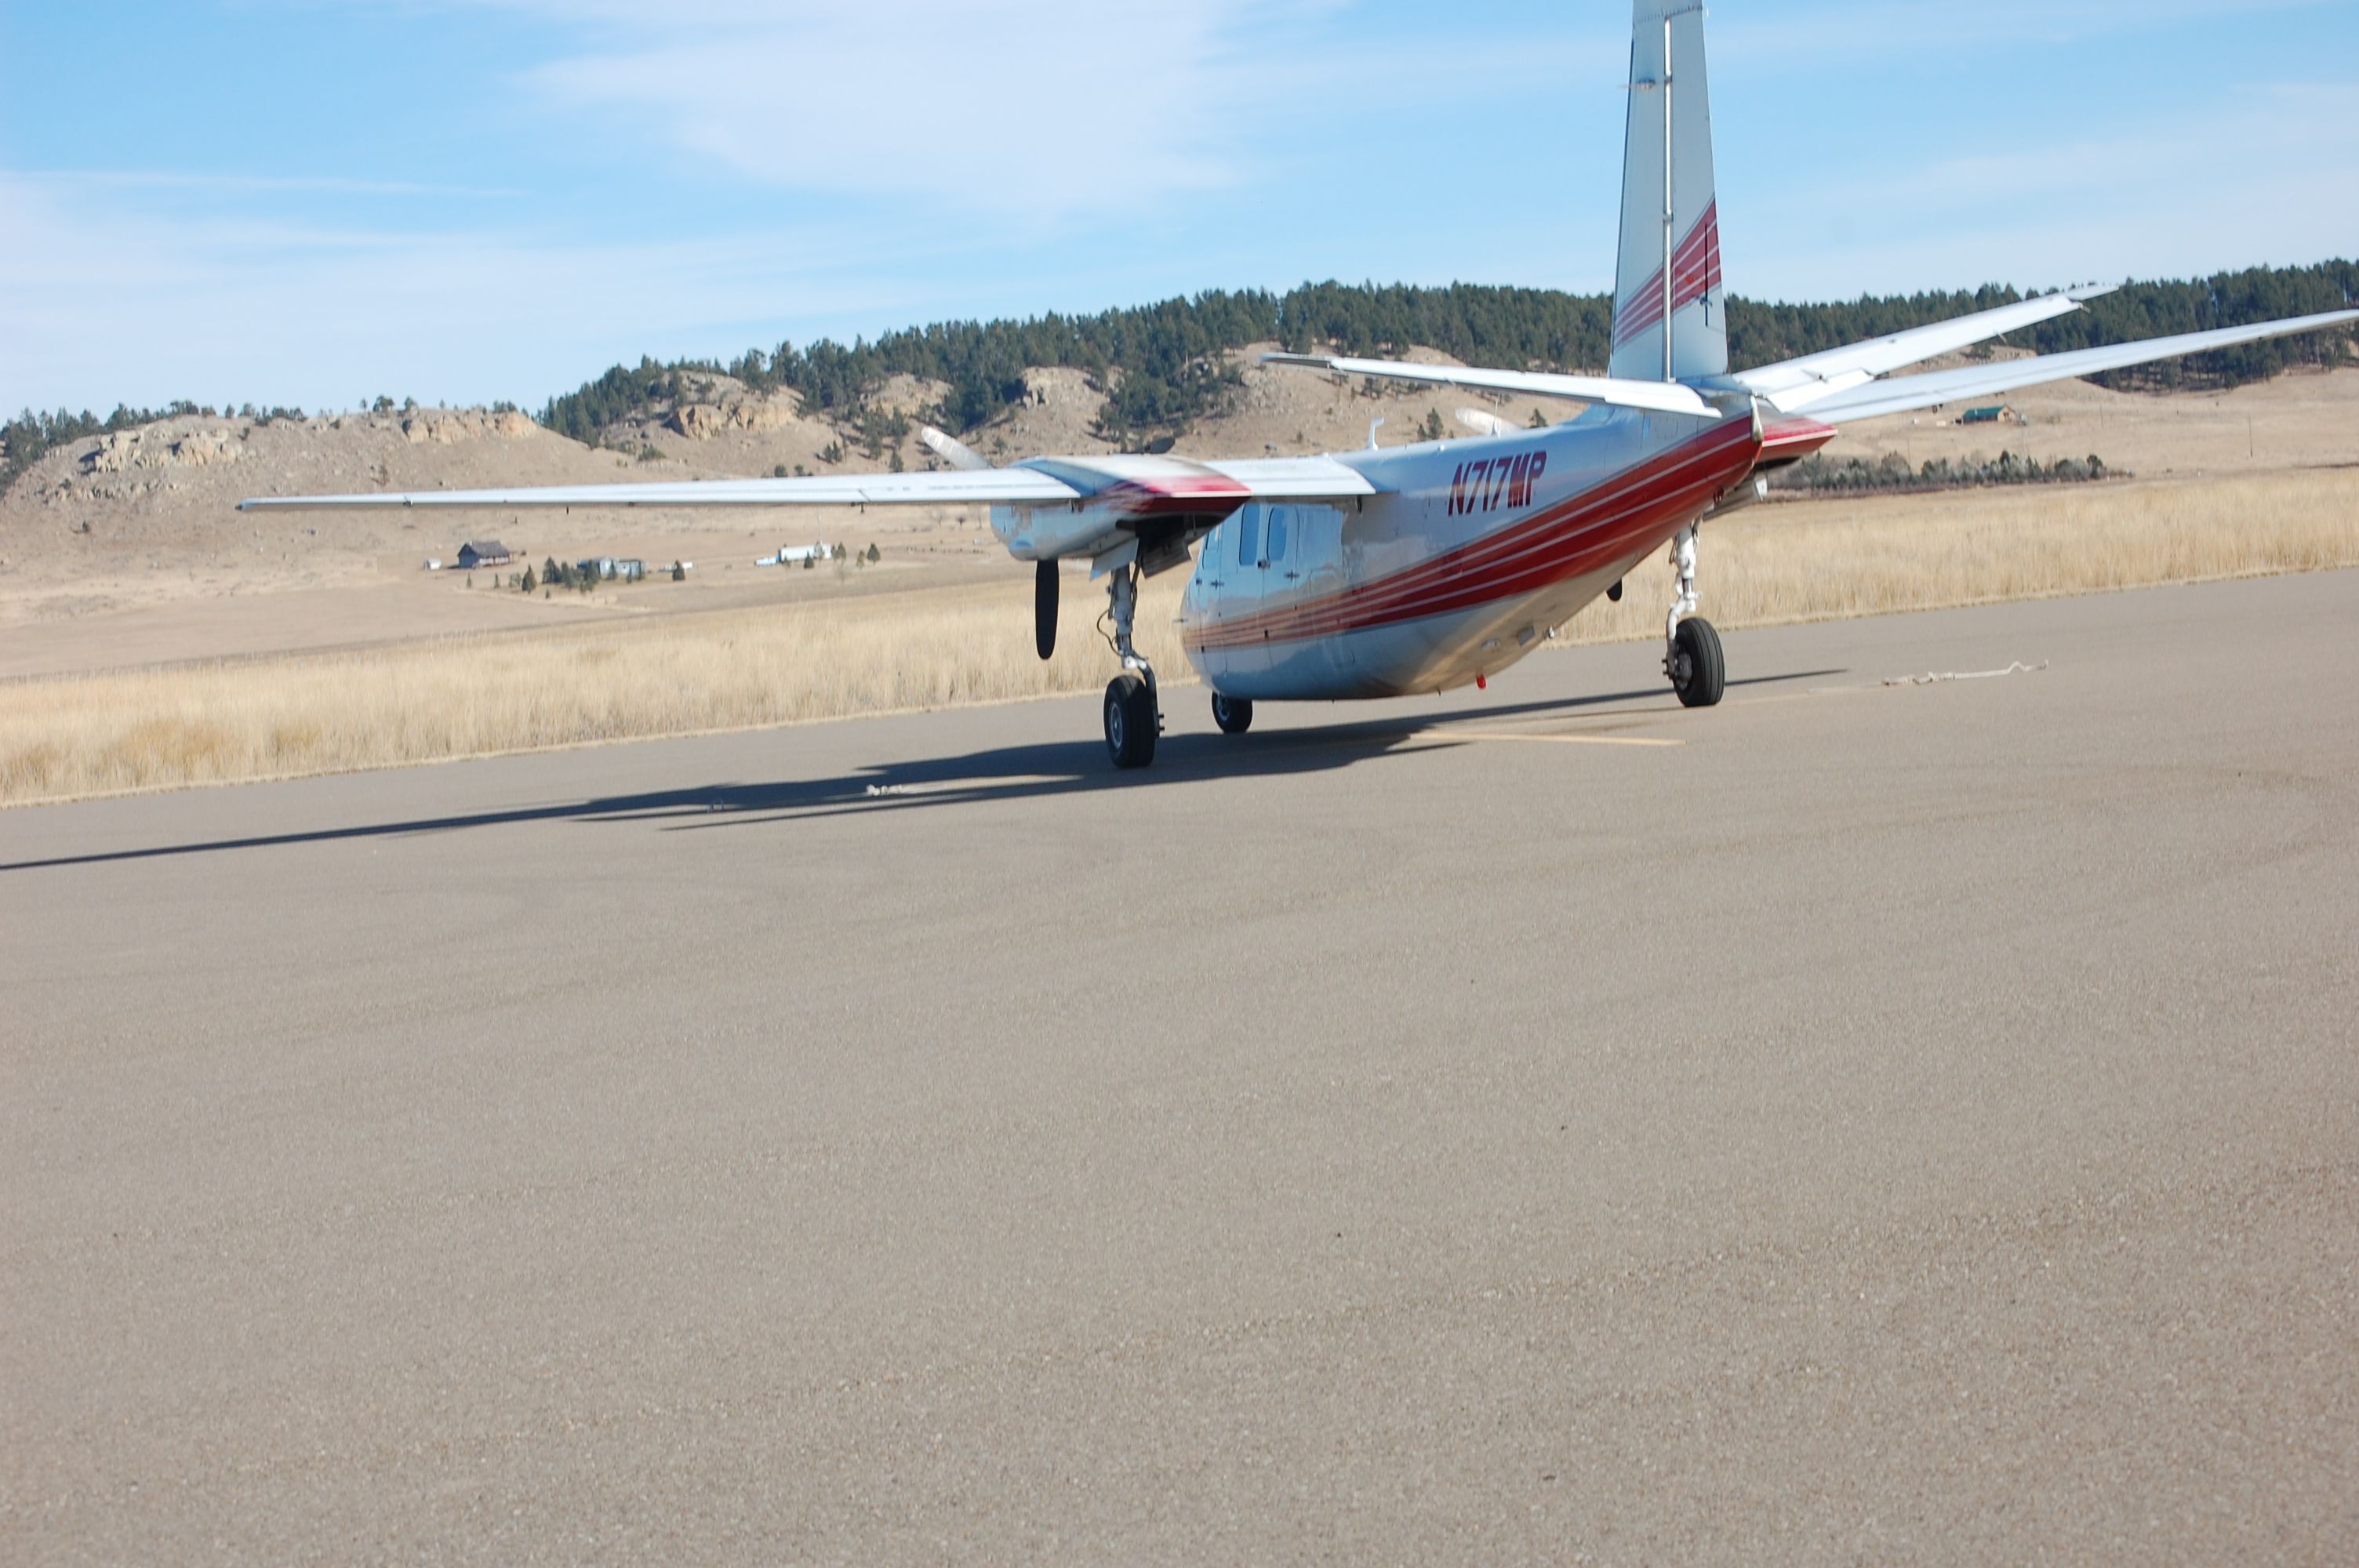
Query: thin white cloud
point(1051, 154)
point(1039, 109)
point(2182, 194)
point(252, 184)
point(102, 302)
point(1850, 30)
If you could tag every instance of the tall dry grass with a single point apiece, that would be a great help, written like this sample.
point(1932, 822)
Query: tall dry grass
point(473, 696)
point(686, 673)
point(1826, 559)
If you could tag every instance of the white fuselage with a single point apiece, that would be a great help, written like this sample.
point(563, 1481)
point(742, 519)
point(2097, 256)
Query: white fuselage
point(1470, 554)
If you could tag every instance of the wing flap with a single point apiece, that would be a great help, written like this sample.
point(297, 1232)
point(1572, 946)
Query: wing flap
point(1295, 479)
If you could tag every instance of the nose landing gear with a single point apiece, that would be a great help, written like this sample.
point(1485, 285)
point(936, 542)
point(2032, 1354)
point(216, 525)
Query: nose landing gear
point(1692, 655)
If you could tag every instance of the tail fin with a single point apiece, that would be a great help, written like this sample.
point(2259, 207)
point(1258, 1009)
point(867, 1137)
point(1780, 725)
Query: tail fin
point(1670, 112)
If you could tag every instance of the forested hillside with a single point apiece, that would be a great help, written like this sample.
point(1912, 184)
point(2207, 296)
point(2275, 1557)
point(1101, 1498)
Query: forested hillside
point(1165, 365)
point(1170, 365)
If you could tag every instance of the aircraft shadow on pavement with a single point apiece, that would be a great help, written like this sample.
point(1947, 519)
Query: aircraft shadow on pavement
point(1001, 774)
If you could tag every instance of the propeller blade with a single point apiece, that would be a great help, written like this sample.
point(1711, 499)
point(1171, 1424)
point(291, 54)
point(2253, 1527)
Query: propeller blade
point(951, 450)
point(1044, 607)
point(1484, 424)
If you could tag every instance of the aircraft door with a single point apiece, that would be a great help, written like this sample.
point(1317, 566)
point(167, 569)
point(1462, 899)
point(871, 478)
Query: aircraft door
point(1244, 571)
point(1318, 539)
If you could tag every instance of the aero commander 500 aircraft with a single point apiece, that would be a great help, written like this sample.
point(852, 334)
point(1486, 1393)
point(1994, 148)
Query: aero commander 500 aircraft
point(1420, 568)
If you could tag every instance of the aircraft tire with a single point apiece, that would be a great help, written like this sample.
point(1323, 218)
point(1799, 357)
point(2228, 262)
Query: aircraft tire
point(1699, 673)
point(1233, 714)
point(1130, 720)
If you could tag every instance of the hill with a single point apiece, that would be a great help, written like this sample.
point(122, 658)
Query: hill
point(1161, 368)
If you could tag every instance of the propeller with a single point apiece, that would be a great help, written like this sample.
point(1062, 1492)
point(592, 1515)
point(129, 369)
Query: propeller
point(951, 450)
point(1044, 607)
point(959, 455)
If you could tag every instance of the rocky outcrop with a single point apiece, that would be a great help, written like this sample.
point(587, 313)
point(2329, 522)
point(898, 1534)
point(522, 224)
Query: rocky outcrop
point(444, 427)
point(740, 416)
point(156, 446)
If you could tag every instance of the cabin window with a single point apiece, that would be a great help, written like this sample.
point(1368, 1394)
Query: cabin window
point(1249, 536)
point(1277, 533)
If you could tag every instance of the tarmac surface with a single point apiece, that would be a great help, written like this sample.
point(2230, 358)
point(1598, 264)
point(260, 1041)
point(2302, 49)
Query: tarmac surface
point(1864, 1121)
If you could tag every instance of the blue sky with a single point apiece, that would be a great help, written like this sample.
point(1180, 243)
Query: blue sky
point(312, 202)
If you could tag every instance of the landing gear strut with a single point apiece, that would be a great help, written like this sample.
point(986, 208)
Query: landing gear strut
point(1133, 718)
point(1692, 655)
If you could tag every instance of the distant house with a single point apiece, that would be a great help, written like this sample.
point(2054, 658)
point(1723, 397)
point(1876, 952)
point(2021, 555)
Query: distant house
point(613, 568)
point(1990, 416)
point(482, 552)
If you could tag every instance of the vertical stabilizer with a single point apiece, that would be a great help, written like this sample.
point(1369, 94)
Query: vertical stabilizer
point(1670, 111)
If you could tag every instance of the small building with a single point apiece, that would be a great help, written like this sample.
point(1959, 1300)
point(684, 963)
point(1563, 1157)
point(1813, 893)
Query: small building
point(1990, 416)
point(613, 568)
point(482, 552)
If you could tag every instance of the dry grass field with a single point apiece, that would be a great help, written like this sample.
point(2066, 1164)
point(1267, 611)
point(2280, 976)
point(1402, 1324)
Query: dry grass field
point(1823, 559)
point(682, 673)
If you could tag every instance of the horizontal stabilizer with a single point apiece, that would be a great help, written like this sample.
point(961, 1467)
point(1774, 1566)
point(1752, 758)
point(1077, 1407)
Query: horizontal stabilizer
point(1910, 392)
point(1656, 397)
point(1798, 383)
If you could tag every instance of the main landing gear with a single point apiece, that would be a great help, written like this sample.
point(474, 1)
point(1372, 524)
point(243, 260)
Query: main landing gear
point(1133, 718)
point(1692, 655)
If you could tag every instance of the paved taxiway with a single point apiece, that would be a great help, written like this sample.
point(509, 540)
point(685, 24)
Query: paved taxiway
point(1912, 1122)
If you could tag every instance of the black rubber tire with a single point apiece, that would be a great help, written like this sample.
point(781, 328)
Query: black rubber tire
point(1044, 607)
point(1130, 720)
point(1699, 675)
point(1233, 714)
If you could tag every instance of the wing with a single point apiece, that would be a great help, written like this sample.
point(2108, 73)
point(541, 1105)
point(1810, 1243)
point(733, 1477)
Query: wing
point(1656, 397)
point(1898, 396)
point(1010, 486)
point(1794, 384)
point(1132, 483)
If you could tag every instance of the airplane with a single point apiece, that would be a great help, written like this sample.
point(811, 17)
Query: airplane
point(1427, 567)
